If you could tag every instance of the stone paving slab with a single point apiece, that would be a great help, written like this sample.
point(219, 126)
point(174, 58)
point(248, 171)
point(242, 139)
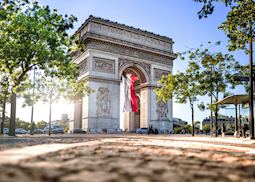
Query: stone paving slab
point(132, 158)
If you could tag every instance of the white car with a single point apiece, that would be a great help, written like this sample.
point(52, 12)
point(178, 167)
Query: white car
point(55, 129)
point(20, 131)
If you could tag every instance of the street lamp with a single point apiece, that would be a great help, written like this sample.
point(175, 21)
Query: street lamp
point(251, 113)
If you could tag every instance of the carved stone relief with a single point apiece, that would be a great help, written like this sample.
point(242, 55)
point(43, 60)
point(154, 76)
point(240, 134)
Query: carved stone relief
point(162, 110)
point(108, 47)
point(104, 104)
point(83, 67)
point(103, 65)
point(145, 66)
point(158, 73)
point(124, 62)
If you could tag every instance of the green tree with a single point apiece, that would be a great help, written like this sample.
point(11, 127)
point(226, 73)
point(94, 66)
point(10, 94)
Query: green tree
point(215, 74)
point(239, 26)
point(197, 125)
point(183, 86)
point(22, 124)
point(240, 29)
point(4, 95)
point(33, 35)
point(206, 128)
point(177, 130)
point(75, 90)
point(51, 89)
point(41, 124)
point(208, 6)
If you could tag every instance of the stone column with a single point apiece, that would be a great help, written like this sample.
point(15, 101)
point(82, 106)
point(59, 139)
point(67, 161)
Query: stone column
point(77, 115)
point(145, 107)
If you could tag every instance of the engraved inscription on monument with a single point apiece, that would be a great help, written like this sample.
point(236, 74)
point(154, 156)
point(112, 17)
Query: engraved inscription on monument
point(104, 105)
point(158, 73)
point(83, 67)
point(130, 36)
point(103, 65)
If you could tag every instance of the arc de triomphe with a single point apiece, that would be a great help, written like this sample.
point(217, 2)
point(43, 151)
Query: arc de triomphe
point(112, 49)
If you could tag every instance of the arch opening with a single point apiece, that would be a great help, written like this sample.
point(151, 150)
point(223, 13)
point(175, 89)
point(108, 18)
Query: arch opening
point(130, 121)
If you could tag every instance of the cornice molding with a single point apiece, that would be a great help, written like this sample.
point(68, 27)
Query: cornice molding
point(123, 27)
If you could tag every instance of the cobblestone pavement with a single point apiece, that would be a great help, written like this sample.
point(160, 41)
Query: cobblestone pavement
point(129, 158)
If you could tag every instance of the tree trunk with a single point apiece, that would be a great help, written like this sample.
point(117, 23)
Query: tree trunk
point(3, 117)
point(193, 123)
point(211, 90)
point(32, 109)
point(211, 118)
point(13, 115)
point(32, 121)
point(50, 119)
point(236, 122)
point(216, 121)
point(251, 114)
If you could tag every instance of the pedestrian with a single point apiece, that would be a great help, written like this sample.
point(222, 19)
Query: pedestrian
point(245, 127)
point(223, 130)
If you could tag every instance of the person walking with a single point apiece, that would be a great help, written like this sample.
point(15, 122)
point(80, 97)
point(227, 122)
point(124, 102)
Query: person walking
point(245, 127)
point(223, 130)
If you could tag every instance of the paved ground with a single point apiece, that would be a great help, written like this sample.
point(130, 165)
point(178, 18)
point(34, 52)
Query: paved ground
point(126, 158)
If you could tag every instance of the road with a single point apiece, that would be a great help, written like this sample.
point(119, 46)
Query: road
point(105, 157)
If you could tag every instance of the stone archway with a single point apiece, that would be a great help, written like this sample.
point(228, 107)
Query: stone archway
point(110, 50)
point(132, 120)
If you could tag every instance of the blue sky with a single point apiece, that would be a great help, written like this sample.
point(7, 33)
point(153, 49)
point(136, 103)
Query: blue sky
point(176, 19)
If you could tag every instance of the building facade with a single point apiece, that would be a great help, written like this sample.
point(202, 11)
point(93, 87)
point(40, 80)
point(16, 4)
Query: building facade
point(111, 50)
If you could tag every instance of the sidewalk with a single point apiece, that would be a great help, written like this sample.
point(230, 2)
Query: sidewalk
point(105, 157)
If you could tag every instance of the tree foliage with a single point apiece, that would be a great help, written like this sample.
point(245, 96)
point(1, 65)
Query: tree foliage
point(239, 26)
point(215, 71)
point(206, 128)
point(34, 36)
point(208, 73)
point(41, 124)
point(182, 86)
point(22, 124)
point(208, 6)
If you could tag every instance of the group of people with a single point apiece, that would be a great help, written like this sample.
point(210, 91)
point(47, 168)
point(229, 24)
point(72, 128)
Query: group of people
point(244, 128)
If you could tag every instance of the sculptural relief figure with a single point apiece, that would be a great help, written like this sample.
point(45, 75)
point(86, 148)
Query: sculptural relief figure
point(162, 110)
point(103, 65)
point(103, 102)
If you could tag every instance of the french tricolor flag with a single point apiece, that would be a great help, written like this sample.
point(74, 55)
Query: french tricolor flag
point(128, 96)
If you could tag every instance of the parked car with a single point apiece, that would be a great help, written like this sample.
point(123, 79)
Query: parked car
point(6, 131)
point(38, 131)
point(20, 131)
point(78, 130)
point(142, 131)
point(55, 129)
point(58, 130)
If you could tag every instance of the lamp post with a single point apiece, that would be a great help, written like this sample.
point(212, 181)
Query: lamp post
point(251, 113)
